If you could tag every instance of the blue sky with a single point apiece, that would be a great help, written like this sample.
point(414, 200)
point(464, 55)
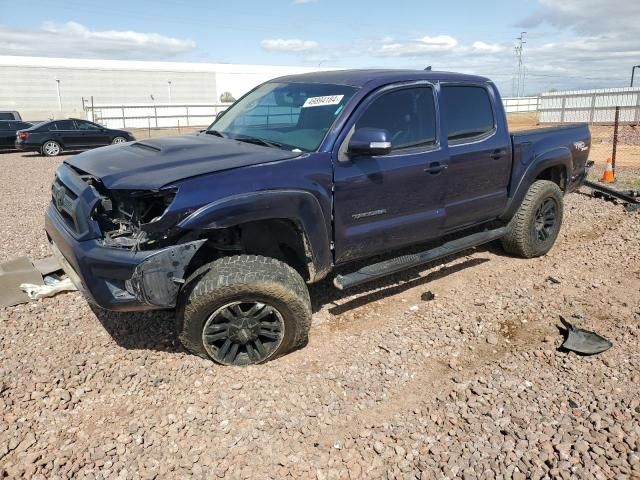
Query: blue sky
point(570, 44)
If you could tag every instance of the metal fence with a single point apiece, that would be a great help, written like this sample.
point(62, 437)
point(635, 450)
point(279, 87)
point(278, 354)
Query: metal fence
point(521, 104)
point(153, 115)
point(591, 106)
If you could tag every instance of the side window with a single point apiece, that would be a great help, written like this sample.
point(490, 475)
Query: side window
point(64, 125)
point(467, 112)
point(409, 115)
point(86, 126)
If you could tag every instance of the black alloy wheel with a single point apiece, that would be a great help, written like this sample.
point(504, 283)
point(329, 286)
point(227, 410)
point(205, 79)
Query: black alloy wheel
point(241, 333)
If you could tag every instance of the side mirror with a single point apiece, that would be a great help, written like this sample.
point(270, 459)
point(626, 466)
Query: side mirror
point(219, 114)
point(369, 142)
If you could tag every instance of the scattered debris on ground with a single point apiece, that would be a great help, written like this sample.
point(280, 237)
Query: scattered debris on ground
point(583, 341)
point(471, 384)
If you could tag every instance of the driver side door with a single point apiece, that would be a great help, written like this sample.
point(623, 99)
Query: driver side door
point(386, 202)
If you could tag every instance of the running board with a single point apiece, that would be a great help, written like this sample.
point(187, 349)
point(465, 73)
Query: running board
point(395, 265)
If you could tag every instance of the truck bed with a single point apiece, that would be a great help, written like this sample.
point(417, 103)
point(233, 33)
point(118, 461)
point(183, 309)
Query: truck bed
point(572, 140)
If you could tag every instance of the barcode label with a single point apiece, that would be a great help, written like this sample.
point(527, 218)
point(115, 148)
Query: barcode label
point(323, 101)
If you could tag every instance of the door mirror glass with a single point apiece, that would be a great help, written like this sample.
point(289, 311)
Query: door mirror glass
point(369, 142)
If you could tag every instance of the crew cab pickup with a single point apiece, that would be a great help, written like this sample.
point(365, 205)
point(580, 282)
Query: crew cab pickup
point(301, 175)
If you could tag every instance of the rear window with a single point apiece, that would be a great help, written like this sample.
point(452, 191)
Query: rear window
point(468, 112)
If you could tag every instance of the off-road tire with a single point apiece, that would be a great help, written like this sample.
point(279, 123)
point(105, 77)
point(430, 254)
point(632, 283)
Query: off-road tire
point(244, 278)
point(522, 239)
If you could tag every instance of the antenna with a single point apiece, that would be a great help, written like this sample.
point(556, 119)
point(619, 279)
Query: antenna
point(519, 84)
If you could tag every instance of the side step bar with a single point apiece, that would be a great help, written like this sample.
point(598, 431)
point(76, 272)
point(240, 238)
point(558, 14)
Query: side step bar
point(395, 265)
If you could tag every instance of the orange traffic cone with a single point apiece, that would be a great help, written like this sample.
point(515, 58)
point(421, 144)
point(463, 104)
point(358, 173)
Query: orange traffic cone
point(608, 175)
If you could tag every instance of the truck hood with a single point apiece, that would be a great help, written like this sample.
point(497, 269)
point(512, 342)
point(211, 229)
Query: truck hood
point(154, 163)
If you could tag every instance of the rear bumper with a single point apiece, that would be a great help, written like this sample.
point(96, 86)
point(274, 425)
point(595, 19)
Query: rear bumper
point(118, 279)
point(26, 147)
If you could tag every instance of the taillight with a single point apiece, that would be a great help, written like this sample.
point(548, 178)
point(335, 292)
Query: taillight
point(23, 135)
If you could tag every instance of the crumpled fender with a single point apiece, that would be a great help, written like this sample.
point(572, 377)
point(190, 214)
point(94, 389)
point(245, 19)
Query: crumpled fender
point(299, 206)
point(158, 278)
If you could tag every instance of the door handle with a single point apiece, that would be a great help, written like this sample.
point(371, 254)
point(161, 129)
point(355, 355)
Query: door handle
point(435, 168)
point(498, 154)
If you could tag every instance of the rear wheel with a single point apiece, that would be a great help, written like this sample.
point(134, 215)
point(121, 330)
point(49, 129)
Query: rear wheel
point(51, 149)
point(536, 225)
point(244, 310)
point(118, 140)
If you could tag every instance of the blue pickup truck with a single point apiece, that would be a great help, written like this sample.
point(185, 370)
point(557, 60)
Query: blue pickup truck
point(303, 174)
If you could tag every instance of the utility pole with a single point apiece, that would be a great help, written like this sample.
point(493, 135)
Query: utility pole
point(519, 50)
point(633, 74)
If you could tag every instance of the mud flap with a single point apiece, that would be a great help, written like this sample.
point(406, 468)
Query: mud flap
point(158, 278)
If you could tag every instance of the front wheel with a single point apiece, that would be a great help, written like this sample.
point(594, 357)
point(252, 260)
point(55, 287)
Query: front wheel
point(51, 149)
point(535, 226)
point(118, 140)
point(244, 310)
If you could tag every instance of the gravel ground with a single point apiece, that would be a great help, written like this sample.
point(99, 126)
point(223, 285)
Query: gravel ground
point(468, 384)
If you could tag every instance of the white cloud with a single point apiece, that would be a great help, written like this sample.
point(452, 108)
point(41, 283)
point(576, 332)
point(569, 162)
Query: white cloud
point(587, 16)
point(484, 47)
point(420, 47)
point(73, 39)
point(293, 45)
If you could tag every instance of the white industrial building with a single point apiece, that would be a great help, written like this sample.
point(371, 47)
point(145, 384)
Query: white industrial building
point(41, 88)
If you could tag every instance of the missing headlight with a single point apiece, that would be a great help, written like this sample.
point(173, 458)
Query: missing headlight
point(122, 216)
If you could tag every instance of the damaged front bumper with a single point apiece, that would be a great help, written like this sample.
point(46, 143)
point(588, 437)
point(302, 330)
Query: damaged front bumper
point(120, 279)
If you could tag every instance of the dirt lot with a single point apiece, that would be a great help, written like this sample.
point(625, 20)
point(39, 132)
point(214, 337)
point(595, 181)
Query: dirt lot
point(470, 384)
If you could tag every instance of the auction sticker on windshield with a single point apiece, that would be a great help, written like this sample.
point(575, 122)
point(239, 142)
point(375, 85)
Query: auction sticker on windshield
point(323, 101)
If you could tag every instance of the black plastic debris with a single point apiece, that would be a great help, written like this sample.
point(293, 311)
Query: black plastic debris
point(583, 341)
point(427, 296)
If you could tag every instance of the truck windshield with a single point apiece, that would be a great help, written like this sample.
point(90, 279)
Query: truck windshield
point(292, 116)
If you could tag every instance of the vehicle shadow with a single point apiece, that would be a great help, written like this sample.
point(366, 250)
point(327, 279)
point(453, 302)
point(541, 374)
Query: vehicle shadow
point(155, 330)
point(39, 155)
point(324, 293)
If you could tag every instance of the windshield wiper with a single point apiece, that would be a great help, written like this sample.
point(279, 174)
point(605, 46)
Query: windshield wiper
point(216, 133)
point(261, 141)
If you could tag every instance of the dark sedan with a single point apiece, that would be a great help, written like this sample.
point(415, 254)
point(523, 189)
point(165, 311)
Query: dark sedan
point(8, 131)
point(51, 138)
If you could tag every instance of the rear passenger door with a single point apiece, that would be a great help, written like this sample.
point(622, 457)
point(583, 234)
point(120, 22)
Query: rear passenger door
point(479, 149)
point(67, 133)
